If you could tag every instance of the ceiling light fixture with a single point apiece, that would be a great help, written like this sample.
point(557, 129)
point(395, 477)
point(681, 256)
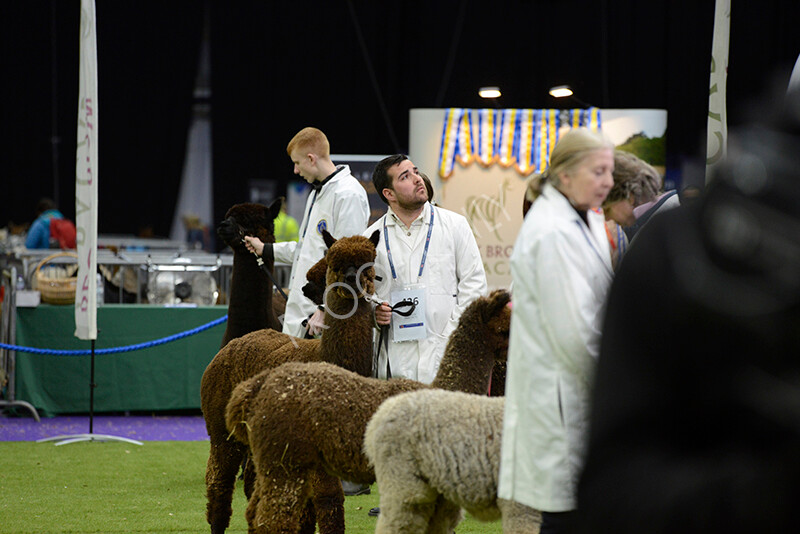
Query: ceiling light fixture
point(560, 91)
point(489, 92)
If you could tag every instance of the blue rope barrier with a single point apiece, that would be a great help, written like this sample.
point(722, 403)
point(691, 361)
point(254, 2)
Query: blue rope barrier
point(115, 350)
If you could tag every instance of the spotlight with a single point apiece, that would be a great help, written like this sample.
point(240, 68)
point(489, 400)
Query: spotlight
point(564, 91)
point(489, 92)
point(560, 91)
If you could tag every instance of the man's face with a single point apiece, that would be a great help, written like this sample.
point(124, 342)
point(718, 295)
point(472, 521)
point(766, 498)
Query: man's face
point(304, 164)
point(408, 187)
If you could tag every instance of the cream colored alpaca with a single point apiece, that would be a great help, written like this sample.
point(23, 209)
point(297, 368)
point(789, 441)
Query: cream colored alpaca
point(434, 453)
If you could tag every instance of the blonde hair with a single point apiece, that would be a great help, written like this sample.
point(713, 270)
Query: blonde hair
point(633, 176)
point(571, 149)
point(310, 139)
point(534, 188)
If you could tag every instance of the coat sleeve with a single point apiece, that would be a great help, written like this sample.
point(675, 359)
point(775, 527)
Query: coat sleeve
point(351, 213)
point(284, 251)
point(566, 298)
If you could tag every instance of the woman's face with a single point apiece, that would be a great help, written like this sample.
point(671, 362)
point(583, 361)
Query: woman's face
point(621, 211)
point(587, 184)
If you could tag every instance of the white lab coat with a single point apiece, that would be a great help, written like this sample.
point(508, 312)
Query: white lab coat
point(453, 276)
point(561, 271)
point(342, 208)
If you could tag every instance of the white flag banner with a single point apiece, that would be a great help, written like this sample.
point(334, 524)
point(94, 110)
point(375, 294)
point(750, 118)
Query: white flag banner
point(794, 80)
point(86, 179)
point(717, 130)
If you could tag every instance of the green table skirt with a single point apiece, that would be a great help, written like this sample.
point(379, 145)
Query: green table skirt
point(164, 377)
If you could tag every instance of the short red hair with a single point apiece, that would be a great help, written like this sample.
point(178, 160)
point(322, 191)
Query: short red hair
point(310, 139)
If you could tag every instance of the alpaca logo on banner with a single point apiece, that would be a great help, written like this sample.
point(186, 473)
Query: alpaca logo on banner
point(522, 138)
point(491, 210)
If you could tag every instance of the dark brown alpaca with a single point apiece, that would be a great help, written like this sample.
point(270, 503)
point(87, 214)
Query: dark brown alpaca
point(250, 305)
point(306, 421)
point(347, 341)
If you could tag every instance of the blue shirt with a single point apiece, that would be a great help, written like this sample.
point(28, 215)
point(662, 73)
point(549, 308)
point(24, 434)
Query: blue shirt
point(39, 233)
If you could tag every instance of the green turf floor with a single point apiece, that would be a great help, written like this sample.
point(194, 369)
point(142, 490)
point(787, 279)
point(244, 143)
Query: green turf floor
point(117, 487)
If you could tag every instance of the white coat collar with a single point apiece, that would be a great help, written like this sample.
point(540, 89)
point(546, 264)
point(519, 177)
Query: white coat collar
point(596, 222)
point(340, 172)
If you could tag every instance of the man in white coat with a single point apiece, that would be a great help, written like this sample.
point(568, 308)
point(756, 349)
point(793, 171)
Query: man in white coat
point(561, 269)
point(337, 203)
point(428, 256)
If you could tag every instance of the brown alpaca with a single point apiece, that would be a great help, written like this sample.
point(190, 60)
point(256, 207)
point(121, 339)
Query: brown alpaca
point(306, 421)
point(250, 303)
point(347, 341)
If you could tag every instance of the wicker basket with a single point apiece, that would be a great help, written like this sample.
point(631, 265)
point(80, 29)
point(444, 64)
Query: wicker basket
point(56, 290)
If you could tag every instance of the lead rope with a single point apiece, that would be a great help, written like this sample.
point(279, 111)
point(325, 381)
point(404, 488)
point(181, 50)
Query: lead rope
point(264, 268)
point(383, 339)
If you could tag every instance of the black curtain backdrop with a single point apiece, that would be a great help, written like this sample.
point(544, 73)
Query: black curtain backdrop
point(352, 68)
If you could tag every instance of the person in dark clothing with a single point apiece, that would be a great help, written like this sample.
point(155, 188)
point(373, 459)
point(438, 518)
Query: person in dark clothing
point(695, 420)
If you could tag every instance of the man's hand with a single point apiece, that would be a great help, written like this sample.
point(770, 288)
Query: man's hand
point(316, 323)
point(254, 244)
point(383, 314)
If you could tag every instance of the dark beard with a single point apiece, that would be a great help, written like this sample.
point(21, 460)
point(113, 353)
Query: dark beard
point(411, 206)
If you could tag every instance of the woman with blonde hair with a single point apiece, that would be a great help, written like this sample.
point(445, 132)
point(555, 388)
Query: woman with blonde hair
point(561, 270)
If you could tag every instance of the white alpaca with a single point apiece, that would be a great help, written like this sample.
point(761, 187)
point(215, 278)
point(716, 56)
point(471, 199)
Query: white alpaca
point(435, 452)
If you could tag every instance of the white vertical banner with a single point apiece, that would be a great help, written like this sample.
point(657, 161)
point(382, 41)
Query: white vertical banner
point(86, 179)
point(717, 129)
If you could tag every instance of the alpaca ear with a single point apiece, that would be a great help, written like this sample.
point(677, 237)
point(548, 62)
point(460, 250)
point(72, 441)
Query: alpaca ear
point(328, 238)
point(274, 208)
point(375, 237)
point(497, 300)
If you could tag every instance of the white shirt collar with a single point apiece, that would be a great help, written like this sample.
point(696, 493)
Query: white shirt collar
point(392, 218)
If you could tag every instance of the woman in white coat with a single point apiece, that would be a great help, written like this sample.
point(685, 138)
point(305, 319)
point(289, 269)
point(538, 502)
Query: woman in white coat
point(561, 269)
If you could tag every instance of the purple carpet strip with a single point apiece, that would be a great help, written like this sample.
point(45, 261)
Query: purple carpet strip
point(138, 427)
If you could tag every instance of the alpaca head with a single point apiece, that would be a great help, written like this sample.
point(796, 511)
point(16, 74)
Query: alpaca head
point(490, 319)
point(249, 219)
point(350, 260)
point(314, 289)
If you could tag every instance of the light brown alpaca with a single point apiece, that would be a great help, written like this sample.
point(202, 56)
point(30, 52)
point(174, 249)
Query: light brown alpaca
point(306, 421)
point(347, 341)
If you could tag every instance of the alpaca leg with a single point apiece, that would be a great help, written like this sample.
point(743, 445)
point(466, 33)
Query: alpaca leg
point(518, 518)
point(249, 474)
point(407, 505)
point(279, 502)
point(223, 466)
point(445, 517)
point(252, 505)
point(308, 523)
point(328, 502)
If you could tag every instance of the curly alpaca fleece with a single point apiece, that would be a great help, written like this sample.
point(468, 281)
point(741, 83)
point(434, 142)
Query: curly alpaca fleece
point(347, 342)
point(305, 422)
point(434, 453)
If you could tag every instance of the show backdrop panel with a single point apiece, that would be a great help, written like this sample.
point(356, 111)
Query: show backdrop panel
point(479, 162)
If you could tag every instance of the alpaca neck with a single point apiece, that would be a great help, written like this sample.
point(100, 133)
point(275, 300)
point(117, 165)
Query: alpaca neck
point(466, 365)
point(347, 340)
point(250, 298)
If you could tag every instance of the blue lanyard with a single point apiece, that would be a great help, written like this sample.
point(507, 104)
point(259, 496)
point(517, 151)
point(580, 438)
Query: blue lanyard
point(424, 253)
point(591, 245)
